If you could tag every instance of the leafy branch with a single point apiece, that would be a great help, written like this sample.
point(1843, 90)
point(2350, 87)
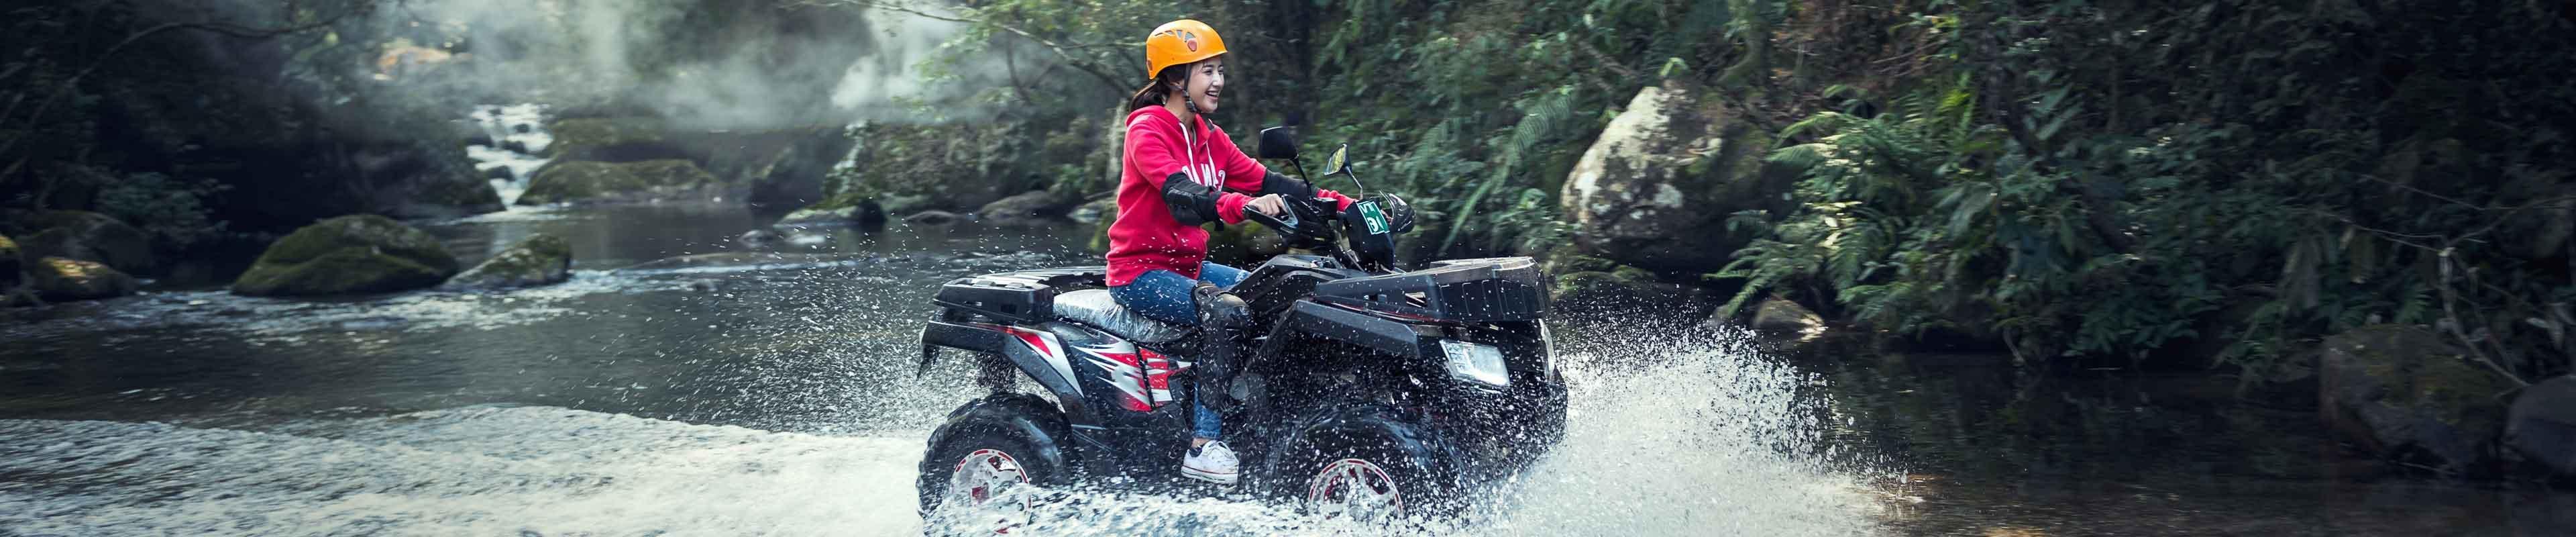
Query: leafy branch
point(974, 16)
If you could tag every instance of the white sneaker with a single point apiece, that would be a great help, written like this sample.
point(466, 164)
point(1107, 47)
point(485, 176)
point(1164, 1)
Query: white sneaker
point(1212, 462)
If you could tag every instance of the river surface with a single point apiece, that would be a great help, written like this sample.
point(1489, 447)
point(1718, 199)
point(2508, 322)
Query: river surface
point(685, 383)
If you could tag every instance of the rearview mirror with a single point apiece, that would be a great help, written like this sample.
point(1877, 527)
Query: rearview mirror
point(1340, 162)
point(1277, 142)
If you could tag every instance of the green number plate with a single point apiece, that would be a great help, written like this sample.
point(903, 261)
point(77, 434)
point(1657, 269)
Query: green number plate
point(1376, 218)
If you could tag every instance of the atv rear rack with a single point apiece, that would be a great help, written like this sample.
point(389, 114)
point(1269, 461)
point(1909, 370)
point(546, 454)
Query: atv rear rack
point(1025, 296)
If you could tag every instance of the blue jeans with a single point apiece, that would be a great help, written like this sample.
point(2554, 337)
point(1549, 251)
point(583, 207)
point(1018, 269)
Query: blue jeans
point(1164, 295)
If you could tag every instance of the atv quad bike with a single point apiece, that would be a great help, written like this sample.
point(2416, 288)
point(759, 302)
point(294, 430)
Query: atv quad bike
point(1368, 393)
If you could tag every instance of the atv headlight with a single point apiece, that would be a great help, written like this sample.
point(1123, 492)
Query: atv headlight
point(1476, 361)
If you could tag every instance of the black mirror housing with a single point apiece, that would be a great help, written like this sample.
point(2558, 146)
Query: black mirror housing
point(1277, 142)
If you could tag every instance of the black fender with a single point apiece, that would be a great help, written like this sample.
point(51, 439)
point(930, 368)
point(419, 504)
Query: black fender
point(1018, 414)
point(1420, 450)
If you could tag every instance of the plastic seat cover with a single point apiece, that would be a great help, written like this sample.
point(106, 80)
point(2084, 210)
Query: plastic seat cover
point(1096, 308)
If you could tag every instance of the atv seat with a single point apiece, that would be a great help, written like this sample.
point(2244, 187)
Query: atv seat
point(1095, 308)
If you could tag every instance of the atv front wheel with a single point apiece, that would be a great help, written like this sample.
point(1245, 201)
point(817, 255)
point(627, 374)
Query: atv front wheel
point(1365, 463)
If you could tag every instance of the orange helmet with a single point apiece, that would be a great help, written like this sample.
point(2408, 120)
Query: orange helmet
point(1180, 42)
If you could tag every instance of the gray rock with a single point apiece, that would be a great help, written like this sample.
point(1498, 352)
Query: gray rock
point(1036, 208)
point(538, 260)
point(2542, 425)
point(347, 255)
point(1782, 317)
point(58, 279)
point(2403, 392)
point(1655, 189)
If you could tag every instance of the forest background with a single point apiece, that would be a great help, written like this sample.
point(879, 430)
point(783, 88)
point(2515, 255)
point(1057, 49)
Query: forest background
point(2226, 186)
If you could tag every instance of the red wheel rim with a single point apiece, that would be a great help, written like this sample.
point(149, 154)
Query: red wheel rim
point(1356, 489)
point(978, 477)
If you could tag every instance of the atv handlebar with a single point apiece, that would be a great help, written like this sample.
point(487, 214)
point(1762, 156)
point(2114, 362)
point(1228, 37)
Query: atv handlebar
point(1308, 224)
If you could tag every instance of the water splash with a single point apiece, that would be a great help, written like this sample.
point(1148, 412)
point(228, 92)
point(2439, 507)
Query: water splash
point(1703, 442)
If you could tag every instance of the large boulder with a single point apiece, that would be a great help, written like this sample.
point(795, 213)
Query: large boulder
point(2542, 425)
point(2402, 392)
point(538, 260)
point(1655, 189)
point(593, 181)
point(85, 236)
point(58, 279)
point(346, 255)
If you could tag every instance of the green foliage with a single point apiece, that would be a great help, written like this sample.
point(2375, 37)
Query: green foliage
point(1477, 109)
point(172, 210)
point(2107, 180)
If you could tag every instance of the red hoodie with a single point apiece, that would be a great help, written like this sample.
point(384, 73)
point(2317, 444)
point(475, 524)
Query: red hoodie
point(1146, 236)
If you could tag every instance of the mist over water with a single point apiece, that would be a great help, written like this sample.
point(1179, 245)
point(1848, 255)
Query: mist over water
point(699, 66)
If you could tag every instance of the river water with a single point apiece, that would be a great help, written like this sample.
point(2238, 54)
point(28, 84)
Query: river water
point(684, 383)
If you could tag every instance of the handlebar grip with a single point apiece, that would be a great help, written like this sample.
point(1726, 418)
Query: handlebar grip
point(1276, 223)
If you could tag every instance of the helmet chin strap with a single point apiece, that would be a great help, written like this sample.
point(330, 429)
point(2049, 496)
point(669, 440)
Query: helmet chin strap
point(1188, 99)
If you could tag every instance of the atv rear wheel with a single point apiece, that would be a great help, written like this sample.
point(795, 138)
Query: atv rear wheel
point(976, 476)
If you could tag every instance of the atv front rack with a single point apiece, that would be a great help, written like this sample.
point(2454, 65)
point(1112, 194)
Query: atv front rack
point(1463, 290)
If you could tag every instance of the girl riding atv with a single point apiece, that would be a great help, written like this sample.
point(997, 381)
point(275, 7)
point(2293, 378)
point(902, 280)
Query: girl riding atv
point(1180, 171)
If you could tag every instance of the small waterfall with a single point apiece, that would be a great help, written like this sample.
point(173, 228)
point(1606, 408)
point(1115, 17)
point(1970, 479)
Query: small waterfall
point(519, 136)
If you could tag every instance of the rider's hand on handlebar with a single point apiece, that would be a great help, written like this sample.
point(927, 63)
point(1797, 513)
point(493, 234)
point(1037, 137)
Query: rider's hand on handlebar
point(1270, 204)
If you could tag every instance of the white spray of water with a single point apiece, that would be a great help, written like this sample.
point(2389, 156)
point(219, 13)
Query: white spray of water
point(1706, 439)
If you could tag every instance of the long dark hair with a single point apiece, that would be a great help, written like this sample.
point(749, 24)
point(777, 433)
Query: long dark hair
point(1160, 89)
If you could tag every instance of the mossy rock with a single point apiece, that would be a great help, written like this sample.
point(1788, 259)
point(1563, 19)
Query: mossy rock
point(585, 180)
point(847, 208)
point(85, 236)
point(539, 260)
point(2405, 392)
point(612, 139)
point(348, 255)
point(59, 279)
